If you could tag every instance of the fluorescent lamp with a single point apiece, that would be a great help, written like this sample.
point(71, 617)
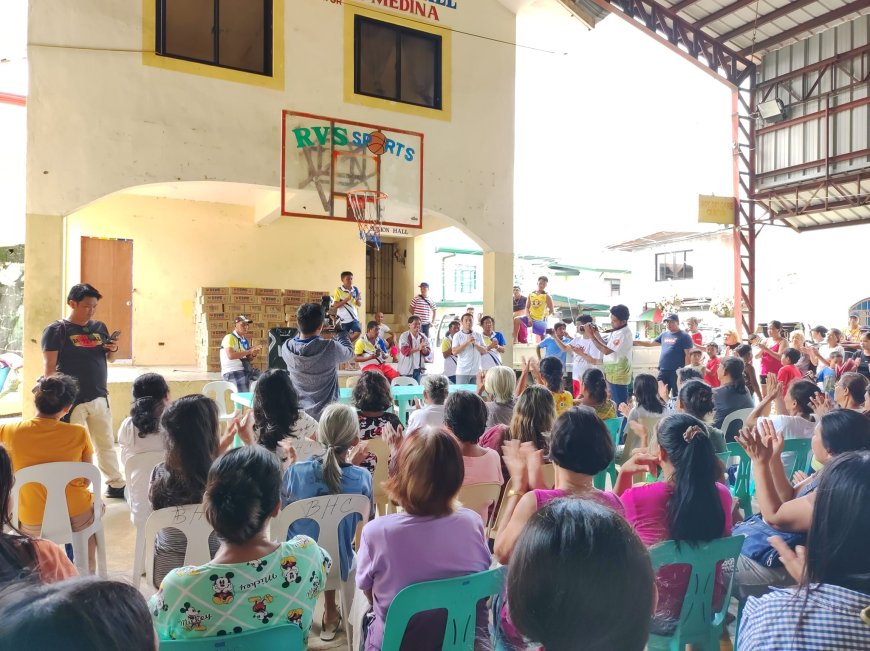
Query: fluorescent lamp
point(772, 110)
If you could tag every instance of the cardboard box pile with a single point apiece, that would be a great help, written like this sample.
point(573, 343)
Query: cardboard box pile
point(215, 308)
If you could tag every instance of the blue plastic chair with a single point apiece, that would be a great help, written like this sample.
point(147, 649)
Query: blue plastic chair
point(458, 596)
point(614, 426)
point(699, 624)
point(287, 637)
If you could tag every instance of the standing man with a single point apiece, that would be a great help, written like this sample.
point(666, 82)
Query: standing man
point(413, 350)
point(236, 355)
point(538, 306)
point(676, 349)
point(371, 351)
point(586, 354)
point(521, 321)
point(617, 352)
point(80, 347)
point(447, 351)
point(468, 347)
point(424, 308)
point(345, 299)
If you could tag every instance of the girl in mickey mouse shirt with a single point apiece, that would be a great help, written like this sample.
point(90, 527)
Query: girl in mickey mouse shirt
point(252, 581)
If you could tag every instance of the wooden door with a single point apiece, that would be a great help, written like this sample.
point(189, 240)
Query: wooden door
point(108, 266)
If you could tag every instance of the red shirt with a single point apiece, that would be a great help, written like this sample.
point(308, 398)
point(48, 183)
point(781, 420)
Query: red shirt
point(711, 377)
point(697, 338)
point(788, 374)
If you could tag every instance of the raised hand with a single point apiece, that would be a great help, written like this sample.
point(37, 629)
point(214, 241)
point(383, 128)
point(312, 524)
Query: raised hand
point(821, 404)
point(392, 436)
point(773, 439)
point(641, 461)
point(513, 456)
point(624, 409)
point(664, 392)
point(794, 560)
point(798, 477)
point(359, 453)
point(773, 385)
point(754, 444)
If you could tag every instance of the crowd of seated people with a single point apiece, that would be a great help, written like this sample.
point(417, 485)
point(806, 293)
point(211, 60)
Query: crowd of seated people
point(576, 552)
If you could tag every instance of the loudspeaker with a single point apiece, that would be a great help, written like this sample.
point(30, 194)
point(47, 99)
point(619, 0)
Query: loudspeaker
point(277, 337)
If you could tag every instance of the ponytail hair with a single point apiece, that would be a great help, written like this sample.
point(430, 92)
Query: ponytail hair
point(802, 391)
point(149, 392)
point(551, 371)
point(337, 430)
point(595, 385)
point(55, 393)
point(695, 512)
point(696, 397)
point(734, 368)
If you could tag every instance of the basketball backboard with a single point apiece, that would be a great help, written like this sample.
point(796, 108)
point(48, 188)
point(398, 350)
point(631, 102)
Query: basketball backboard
point(323, 158)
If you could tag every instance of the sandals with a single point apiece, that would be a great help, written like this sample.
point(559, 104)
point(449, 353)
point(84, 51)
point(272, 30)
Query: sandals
point(327, 634)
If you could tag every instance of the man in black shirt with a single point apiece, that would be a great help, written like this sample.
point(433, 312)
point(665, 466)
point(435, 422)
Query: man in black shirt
point(520, 318)
point(79, 346)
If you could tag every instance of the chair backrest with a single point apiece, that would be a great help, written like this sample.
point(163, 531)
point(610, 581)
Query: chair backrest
point(698, 623)
point(137, 470)
point(306, 448)
point(458, 596)
point(287, 637)
point(728, 425)
point(327, 511)
point(55, 477)
point(403, 381)
point(801, 450)
point(352, 381)
point(220, 393)
point(190, 520)
point(477, 496)
point(378, 447)
point(614, 426)
point(549, 472)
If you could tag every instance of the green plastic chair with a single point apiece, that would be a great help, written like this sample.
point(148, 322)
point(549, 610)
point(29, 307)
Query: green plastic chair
point(614, 426)
point(699, 625)
point(458, 596)
point(802, 449)
point(287, 637)
point(743, 477)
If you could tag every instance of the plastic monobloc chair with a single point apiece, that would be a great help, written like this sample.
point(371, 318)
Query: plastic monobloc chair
point(287, 637)
point(458, 596)
point(138, 470)
point(699, 624)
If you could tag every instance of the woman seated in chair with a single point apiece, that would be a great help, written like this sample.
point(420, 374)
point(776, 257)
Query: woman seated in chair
point(430, 540)
point(794, 410)
point(593, 393)
point(696, 399)
point(499, 385)
point(330, 474)
point(532, 421)
point(44, 439)
point(609, 608)
point(252, 581)
point(829, 608)
point(465, 418)
point(82, 614)
point(689, 505)
point(732, 394)
point(786, 510)
point(191, 425)
point(372, 398)
point(431, 414)
point(22, 556)
point(140, 432)
point(279, 421)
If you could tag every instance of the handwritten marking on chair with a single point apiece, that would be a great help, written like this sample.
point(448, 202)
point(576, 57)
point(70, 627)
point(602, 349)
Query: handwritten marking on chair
point(317, 512)
point(182, 515)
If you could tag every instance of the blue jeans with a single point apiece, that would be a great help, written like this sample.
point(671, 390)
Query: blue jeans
point(618, 393)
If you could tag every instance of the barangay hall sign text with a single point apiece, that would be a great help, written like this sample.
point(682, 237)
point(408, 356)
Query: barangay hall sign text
point(422, 8)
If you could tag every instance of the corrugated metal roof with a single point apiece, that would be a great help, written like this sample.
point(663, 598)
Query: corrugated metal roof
point(753, 28)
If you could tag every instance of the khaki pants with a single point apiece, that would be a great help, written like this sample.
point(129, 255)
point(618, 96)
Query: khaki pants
point(97, 418)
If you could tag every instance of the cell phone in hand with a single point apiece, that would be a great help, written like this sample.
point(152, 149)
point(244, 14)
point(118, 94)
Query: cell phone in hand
point(114, 335)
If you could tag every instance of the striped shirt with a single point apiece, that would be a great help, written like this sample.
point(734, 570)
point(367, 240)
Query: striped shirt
point(423, 308)
point(830, 619)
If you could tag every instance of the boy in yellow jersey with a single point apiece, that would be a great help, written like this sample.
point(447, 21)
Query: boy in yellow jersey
point(538, 306)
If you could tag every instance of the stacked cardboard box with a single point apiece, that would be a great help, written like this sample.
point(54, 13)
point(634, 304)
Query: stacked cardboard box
point(215, 309)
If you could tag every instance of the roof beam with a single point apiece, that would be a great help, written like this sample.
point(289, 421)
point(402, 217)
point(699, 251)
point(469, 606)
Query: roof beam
point(682, 4)
point(766, 18)
point(782, 37)
point(721, 12)
point(819, 227)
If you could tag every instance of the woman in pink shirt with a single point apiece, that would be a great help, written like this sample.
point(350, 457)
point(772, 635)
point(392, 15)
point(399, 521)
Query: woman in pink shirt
point(465, 416)
point(770, 350)
point(689, 505)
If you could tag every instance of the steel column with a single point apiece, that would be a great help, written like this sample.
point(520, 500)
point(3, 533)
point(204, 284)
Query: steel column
point(744, 231)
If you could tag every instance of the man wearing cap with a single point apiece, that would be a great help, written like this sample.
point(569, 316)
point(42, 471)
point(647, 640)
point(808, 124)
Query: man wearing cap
point(424, 308)
point(236, 356)
point(676, 348)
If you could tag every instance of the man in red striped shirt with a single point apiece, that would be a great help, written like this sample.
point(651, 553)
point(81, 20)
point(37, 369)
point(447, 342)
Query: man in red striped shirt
point(423, 308)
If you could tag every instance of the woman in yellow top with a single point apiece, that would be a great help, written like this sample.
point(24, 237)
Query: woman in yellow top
point(45, 439)
point(538, 305)
point(593, 393)
point(550, 375)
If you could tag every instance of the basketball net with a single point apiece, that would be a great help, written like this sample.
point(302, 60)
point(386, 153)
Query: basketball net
point(367, 207)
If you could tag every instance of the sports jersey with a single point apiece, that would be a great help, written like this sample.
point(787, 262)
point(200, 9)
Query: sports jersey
point(346, 313)
point(537, 305)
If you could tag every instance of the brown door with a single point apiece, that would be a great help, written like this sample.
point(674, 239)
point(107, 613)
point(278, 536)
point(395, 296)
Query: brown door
point(108, 266)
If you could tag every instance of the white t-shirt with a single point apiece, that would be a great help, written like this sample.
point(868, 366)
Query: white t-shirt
point(793, 427)
point(137, 484)
point(617, 365)
point(825, 351)
point(428, 415)
point(383, 329)
point(580, 365)
point(409, 363)
point(468, 361)
point(232, 342)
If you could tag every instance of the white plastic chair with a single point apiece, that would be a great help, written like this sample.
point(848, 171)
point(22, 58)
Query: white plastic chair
point(378, 447)
point(137, 470)
point(328, 511)
point(190, 520)
point(740, 415)
point(55, 520)
point(403, 381)
point(352, 381)
point(220, 393)
point(478, 496)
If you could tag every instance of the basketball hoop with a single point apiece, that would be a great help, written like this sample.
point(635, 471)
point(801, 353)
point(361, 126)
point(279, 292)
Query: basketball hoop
point(367, 207)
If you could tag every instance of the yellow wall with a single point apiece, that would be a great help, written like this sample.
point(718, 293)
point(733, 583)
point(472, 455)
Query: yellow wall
point(180, 245)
